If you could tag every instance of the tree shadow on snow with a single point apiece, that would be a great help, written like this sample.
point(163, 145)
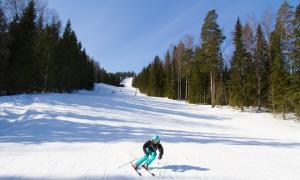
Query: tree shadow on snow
point(49, 129)
point(69, 178)
point(46, 124)
point(182, 168)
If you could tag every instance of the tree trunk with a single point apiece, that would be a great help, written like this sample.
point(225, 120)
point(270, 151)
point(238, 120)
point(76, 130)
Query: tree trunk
point(172, 82)
point(212, 89)
point(177, 86)
point(46, 73)
point(186, 88)
point(204, 88)
point(271, 81)
point(259, 93)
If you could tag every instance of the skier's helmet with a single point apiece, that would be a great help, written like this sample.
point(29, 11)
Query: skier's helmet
point(155, 138)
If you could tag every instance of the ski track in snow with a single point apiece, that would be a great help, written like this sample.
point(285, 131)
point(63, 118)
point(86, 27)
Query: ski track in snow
point(89, 134)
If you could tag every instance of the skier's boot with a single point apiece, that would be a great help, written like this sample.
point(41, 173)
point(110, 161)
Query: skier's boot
point(134, 166)
point(145, 166)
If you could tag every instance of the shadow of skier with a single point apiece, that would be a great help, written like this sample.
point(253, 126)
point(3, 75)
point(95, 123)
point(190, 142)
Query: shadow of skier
point(182, 168)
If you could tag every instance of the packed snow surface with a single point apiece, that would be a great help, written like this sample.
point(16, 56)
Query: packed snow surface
point(89, 134)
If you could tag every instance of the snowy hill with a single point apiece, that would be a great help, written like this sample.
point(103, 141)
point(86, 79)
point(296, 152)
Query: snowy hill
point(88, 135)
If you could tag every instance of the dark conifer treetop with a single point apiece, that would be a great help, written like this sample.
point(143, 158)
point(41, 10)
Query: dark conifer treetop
point(36, 57)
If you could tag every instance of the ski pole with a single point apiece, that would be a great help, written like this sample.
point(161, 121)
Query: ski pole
point(127, 163)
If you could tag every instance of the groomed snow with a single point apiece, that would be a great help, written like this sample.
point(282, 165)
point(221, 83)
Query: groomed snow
point(88, 135)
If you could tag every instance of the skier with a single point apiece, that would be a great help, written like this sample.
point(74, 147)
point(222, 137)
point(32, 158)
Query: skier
point(149, 148)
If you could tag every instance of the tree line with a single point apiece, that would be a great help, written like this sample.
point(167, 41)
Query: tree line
point(36, 56)
point(115, 79)
point(264, 69)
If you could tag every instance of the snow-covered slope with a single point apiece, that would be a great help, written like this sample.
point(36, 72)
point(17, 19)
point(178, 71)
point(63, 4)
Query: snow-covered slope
point(88, 135)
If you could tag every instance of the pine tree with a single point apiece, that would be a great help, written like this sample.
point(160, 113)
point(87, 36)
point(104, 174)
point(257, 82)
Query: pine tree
point(212, 39)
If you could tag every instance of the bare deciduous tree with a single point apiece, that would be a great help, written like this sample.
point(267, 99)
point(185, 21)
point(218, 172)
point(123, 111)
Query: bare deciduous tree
point(268, 23)
point(14, 8)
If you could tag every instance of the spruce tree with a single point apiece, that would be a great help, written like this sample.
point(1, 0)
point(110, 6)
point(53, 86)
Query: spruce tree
point(26, 55)
point(237, 74)
point(90, 78)
point(279, 76)
point(262, 68)
point(141, 81)
point(146, 79)
point(248, 65)
point(281, 59)
point(204, 77)
point(3, 50)
point(49, 65)
point(21, 69)
point(156, 78)
point(248, 73)
point(66, 58)
point(196, 82)
point(193, 96)
point(40, 53)
point(168, 91)
point(175, 73)
point(34, 57)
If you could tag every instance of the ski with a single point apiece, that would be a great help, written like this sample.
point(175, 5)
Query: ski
point(149, 171)
point(136, 170)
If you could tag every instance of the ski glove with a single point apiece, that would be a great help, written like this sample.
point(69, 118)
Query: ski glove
point(159, 157)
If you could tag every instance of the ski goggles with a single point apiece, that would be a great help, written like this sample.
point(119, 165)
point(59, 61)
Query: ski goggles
point(156, 141)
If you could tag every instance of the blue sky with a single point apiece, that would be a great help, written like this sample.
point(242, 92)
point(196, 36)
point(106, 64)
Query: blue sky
point(125, 35)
